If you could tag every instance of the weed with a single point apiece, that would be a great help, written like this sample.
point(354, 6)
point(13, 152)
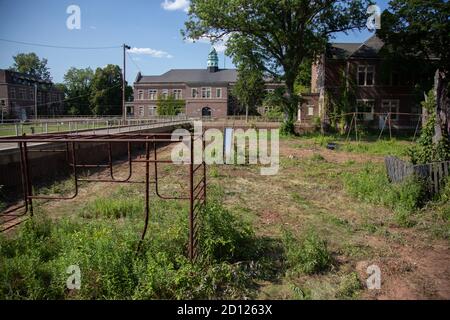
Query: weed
point(309, 255)
point(349, 287)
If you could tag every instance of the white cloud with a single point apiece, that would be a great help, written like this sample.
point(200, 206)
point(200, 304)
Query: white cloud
point(176, 5)
point(151, 52)
point(220, 45)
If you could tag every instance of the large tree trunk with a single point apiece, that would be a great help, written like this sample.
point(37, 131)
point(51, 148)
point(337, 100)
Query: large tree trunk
point(442, 107)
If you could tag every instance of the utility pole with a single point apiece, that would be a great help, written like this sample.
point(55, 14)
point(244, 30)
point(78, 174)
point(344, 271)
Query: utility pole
point(35, 102)
point(124, 82)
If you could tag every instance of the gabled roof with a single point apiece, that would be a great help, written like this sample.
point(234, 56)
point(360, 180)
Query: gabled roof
point(369, 49)
point(192, 76)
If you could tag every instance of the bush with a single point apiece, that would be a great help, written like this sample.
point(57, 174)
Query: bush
point(34, 262)
point(372, 185)
point(309, 255)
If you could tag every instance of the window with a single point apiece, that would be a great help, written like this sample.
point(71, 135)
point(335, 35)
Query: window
point(206, 93)
point(141, 112)
point(140, 94)
point(194, 92)
point(22, 94)
point(13, 93)
point(54, 97)
point(365, 109)
point(31, 94)
point(152, 111)
point(178, 94)
point(310, 110)
point(165, 94)
point(153, 94)
point(219, 93)
point(391, 106)
point(366, 75)
point(39, 97)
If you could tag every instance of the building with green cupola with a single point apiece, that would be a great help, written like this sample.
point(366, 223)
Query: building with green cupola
point(206, 92)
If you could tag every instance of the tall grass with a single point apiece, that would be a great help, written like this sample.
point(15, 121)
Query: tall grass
point(34, 262)
point(372, 185)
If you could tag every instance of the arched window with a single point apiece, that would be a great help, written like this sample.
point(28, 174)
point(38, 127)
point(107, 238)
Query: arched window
point(206, 112)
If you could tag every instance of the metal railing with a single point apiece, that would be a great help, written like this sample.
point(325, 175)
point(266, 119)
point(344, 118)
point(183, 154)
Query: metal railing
point(196, 196)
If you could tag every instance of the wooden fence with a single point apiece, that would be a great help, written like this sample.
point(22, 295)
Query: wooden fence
point(435, 173)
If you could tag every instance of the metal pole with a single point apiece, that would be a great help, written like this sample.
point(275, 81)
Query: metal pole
point(191, 200)
point(124, 81)
point(35, 102)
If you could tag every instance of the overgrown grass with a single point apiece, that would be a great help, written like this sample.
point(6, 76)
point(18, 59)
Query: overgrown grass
point(372, 185)
point(308, 255)
point(34, 262)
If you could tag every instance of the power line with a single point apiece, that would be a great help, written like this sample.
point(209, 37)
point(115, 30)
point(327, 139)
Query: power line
point(58, 47)
point(134, 62)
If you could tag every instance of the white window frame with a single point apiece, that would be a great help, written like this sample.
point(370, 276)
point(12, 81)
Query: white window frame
point(219, 93)
point(195, 93)
point(310, 110)
point(366, 116)
point(151, 110)
point(164, 93)
point(364, 69)
point(141, 112)
point(153, 94)
point(140, 95)
point(178, 94)
point(206, 93)
point(389, 108)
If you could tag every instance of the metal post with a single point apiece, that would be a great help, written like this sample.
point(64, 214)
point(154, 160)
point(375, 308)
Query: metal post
point(124, 81)
point(191, 200)
point(35, 102)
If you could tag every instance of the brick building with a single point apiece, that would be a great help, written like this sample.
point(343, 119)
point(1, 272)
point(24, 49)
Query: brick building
point(206, 92)
point(19, 94)
point(379, 86)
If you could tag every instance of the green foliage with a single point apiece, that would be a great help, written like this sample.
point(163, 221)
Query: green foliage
point(372, 185)
point(349, 287)
point(249, 88)
point(106, 91)
point(78, 89)
point(31, 64)
point(260, 33)
point(287, 128)
point(170, 106)
point(34, 262)
point(309, 255)
point(426, 151)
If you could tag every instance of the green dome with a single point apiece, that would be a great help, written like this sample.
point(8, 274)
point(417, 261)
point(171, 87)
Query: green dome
point(213, 59)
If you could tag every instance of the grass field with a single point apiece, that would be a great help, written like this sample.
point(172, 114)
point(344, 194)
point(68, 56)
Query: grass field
point(309, 232)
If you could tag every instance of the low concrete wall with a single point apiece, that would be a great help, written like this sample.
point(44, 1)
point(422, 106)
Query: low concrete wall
point(47, 167)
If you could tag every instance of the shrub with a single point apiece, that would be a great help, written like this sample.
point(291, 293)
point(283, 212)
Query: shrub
point(34, 262)
point(309, 255)
point(349, 287)
point(372, 185)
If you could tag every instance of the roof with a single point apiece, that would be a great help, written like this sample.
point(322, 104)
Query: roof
point(192, 76)
point(368, 49)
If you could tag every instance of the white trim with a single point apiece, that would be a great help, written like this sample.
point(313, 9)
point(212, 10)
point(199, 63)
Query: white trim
point(365, 66)
point(208, 90)
point(397, 109)
point(219, 96)
point(367, 116)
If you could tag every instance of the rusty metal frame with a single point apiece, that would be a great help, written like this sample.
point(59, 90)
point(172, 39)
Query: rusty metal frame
point(196, 194)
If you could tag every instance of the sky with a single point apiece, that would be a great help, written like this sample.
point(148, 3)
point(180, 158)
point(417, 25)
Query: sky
point(150, 27)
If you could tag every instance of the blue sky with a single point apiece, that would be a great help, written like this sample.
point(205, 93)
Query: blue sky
point(151, 26)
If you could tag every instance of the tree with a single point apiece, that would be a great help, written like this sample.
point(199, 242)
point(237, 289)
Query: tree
point(78, 90)
point(170, 106)
point(106, 91)
point(275, 35)
point(32, 65)
point(249, 88)
point(420, 29)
